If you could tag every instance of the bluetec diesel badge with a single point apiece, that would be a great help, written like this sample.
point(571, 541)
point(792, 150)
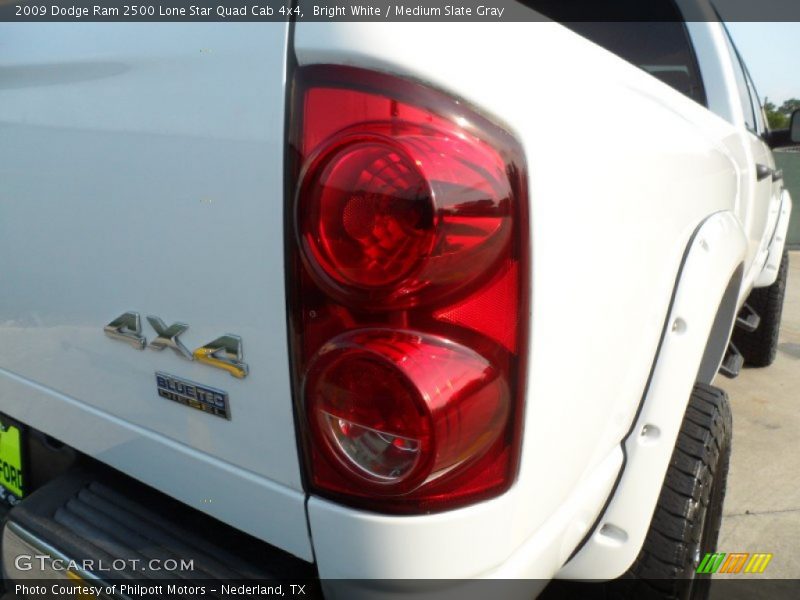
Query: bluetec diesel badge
point(194, 395)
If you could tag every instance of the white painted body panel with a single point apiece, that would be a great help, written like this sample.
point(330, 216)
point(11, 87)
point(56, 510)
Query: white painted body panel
point(612, 212)
point(717, 251)
point(783, 213)
point(145, 173)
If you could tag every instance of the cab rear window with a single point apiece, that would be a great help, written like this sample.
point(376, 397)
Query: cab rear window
point(650, 35)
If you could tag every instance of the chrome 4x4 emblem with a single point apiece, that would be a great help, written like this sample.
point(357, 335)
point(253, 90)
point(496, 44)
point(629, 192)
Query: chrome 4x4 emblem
point(225, 352)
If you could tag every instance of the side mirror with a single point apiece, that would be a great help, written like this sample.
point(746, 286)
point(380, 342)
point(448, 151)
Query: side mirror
point(794, 127)
point(782, 138)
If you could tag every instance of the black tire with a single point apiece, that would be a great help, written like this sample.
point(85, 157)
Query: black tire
point(688, 515)
point(760, 347)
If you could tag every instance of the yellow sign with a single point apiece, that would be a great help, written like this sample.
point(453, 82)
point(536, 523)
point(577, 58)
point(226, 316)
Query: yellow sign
point(11, 460)
point(82, 592)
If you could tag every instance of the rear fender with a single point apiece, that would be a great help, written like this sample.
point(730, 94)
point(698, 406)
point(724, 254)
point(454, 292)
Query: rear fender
point(712, 263)
point(769, 273)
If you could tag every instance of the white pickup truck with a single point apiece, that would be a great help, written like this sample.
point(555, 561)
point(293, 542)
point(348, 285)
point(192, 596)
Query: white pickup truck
point(369, 302)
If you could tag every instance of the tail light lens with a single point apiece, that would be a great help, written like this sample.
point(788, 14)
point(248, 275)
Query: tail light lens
point(408, 299)
point(392, 212)
point(376, 400)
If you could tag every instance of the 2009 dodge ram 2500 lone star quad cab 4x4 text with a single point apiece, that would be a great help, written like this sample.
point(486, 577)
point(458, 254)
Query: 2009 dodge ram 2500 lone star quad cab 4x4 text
point(364, 301)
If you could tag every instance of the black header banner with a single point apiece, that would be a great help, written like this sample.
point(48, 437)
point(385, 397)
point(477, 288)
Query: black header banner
point(503, 11)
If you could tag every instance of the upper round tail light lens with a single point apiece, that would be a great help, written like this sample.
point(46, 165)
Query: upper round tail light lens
point(397, 214)
point(394, 410)
point(367, 214)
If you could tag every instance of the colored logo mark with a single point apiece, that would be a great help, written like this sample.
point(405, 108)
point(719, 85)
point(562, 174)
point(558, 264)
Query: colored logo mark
point(735, 562)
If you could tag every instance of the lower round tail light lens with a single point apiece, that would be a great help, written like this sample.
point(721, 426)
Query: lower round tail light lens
point(378, 455)
point(396, 410)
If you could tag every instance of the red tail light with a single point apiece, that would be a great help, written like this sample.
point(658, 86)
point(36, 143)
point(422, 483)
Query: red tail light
point(376, 399)
point(408, 299)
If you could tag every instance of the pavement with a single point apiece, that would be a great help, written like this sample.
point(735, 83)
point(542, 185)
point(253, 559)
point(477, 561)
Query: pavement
point(762, 505)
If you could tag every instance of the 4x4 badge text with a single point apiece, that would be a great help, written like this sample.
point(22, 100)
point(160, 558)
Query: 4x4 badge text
point(225, 352)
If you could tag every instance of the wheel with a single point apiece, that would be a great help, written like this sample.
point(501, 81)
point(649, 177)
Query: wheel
point(759, 347)
point(688, 514)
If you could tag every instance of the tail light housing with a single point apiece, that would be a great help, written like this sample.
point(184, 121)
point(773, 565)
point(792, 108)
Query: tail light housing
point(408, 260)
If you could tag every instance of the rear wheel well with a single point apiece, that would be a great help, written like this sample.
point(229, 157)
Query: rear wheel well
point(721, 329)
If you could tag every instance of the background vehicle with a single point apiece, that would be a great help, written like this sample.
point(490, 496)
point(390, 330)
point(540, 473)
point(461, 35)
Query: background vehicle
point(326, 213)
